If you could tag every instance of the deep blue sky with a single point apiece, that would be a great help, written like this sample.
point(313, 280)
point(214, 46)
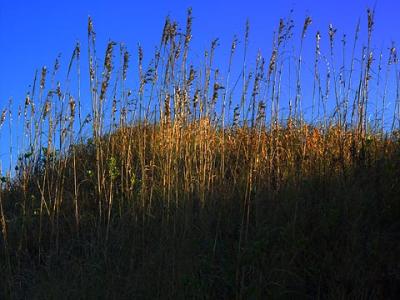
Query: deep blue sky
point(33, 33)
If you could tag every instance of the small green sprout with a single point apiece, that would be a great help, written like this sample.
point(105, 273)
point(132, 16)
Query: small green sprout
point(112, 168)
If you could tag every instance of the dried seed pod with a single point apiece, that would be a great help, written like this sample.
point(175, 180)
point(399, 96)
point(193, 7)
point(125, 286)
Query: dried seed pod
point(43, 77)
point(47, 108)
point(107, 70)
point(307, 23)
point(3, 117)
point(167, 110)
point(125, 64)
point(188, 34)
point(196, 98)
point(72, 106)
point(192, 74)
point(236, 116)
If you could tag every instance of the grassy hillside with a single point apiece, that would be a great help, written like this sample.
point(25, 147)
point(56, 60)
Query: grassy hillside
point(191, 187)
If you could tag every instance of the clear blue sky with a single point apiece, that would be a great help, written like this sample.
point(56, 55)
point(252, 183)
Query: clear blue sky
point(33, 33)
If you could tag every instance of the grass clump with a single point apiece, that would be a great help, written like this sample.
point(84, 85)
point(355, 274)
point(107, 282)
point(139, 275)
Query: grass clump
point(191, 188)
